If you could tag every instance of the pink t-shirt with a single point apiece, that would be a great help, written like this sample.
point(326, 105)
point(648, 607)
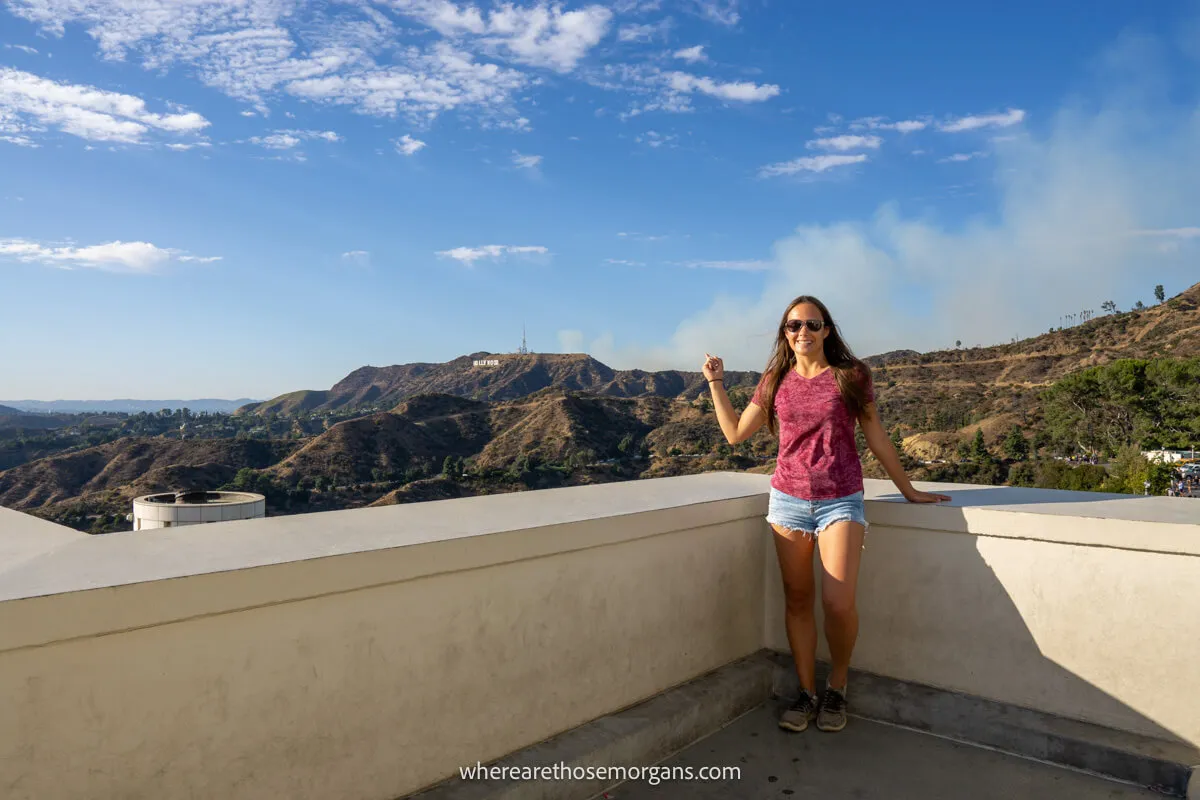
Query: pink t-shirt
point(817, 457)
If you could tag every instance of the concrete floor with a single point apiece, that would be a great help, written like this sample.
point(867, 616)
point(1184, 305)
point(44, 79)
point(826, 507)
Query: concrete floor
point(864, 761)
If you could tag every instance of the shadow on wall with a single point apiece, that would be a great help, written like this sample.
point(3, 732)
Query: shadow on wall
point(1038, 624)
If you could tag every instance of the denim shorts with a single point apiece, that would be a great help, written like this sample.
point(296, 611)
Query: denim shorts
point(814, 516)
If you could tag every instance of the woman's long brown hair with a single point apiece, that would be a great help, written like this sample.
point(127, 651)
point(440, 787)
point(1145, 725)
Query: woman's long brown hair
point(852, 374)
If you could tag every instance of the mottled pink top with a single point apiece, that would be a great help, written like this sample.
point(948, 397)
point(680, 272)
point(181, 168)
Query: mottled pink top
point(817, 457)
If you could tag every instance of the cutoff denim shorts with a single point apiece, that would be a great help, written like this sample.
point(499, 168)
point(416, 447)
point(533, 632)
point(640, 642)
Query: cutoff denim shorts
point(814, 516)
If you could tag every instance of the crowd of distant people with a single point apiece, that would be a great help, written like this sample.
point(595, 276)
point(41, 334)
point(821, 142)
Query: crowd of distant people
point(1184, 484)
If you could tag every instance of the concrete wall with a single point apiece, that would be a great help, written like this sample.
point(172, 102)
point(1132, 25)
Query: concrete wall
point(363, 654)
point(1080, 604)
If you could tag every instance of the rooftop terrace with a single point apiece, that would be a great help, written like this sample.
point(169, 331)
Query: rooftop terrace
point(1015, 642)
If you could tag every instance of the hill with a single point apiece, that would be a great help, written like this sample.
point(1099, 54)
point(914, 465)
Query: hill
point(529, 429)
point(513, 376)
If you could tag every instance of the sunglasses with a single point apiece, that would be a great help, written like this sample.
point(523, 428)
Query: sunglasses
point(813, 325)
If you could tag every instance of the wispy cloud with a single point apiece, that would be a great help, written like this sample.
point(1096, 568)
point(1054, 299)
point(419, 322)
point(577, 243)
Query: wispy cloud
point(358, 258)
point(130, 257)
point(24, 48)
point(1175, 233)
point(957, 157)
point(692, 55)
point(20, 141)
point(287, 139)
point(741, 91)
point(643, 237)
point(624, 263)
point(655, 139)
point(1014, 116)
point(407, 145)
point(736, 266)
point(846, 142)
point(809, 164)
point(722, 12)
point(29, 104)
point(469, 255)
point(525, 162)
point(645, 32)
point(878, 124)
point(184, 147)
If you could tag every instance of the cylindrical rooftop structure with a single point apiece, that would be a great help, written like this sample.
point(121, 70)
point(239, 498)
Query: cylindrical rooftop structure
point(172, 509)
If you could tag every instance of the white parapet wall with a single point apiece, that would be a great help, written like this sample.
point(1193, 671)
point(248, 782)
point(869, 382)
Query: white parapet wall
point(1080, 604)
point(365, 654)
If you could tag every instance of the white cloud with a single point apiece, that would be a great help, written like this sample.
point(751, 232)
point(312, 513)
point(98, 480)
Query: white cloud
point(289, 138)
point(656, 139)
point(526, 162)
point(737, 266)
point(878, 124)
point(182, 147)
point(200, 259)
point(846, 142)
point(407, 145)
point(469, 255)
point(809, 164)
point(22, 47)
point(1176, 233)
point(907, 126)
point(542, 35)
point(131, 257)
point(1056, 239)
point(643, 237)
point(249, 113)
point(28, 103)
point(358, 258)
point(645, 32)
point(742, 91)
point(957, 157)
point(276, 141)
point(723, 12)
point(20, 141)
point(1014, 116)
point(624, 263)
point(692, 55)
point(424, 86)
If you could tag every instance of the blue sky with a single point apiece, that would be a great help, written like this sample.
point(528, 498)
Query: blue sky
point(228, 198)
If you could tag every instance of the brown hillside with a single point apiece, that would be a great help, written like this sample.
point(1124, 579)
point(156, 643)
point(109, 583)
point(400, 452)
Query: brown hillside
point(516, 376)
point(133, 462)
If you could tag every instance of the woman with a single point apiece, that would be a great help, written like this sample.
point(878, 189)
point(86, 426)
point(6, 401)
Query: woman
point(815, 388)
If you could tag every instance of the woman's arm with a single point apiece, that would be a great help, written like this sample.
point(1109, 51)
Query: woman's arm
point(882, 447)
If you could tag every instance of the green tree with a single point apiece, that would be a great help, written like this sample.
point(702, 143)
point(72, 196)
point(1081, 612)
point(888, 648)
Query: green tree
point(448, 467)
point(1159, 294)
point(1015, 446)
point(897, 440)
point(979, 451)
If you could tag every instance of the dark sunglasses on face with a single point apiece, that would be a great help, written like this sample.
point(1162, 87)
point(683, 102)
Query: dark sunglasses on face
point(813, 325)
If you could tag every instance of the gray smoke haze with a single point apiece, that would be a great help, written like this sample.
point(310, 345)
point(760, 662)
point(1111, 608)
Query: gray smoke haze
point(1103, 205)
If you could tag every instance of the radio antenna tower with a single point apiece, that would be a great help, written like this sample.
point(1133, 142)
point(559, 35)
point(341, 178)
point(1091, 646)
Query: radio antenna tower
point(524, 350)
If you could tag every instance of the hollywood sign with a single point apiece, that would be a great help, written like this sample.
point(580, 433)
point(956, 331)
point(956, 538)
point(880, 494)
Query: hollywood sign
point(491, 362)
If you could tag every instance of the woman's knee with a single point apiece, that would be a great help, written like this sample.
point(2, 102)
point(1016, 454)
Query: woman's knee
point(838, 605)
point(798, 600)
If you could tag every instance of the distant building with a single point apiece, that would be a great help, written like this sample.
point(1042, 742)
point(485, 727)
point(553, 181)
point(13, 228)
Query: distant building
point(1168, 456)
point(173, 509)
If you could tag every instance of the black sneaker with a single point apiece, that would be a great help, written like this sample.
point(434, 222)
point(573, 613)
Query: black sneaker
point(798, 715)
point(833, 711)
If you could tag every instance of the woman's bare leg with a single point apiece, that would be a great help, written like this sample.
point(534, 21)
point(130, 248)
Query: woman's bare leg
point(841, 554)
point(795, 552)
